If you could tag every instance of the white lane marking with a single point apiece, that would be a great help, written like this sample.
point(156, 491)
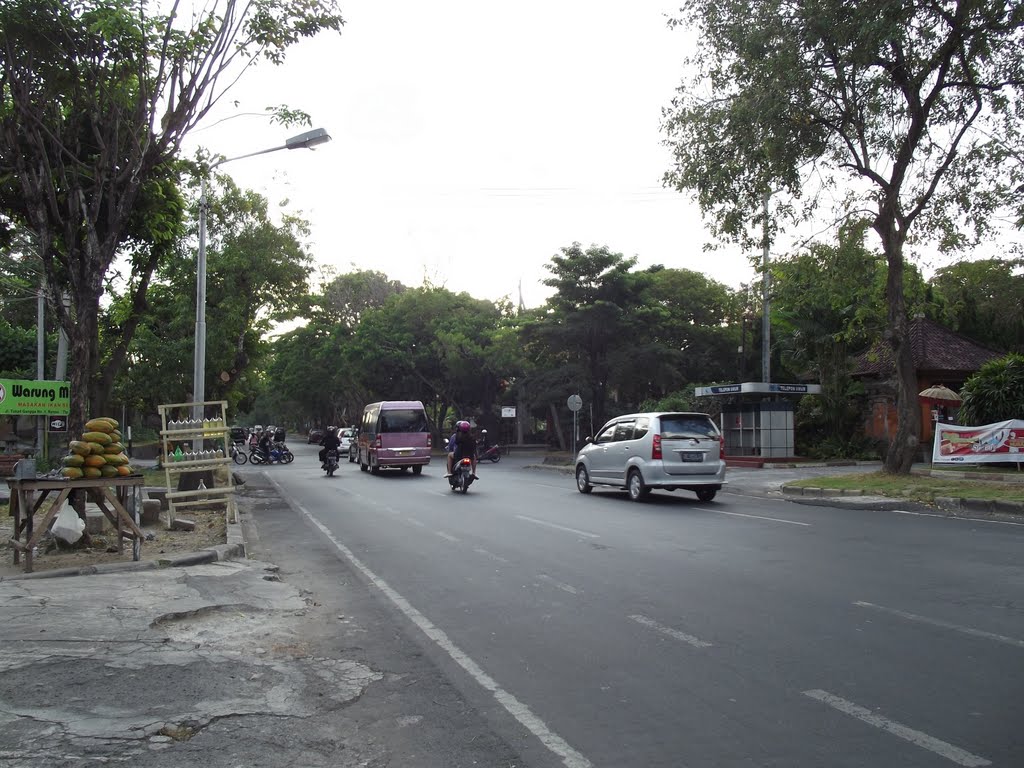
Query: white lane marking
point(755, 517)
point(560, 585)
point(414, 521)
point(485, 553)
point(674, 633)
point(930, 743)
point(954, 517)
point(559, 527)
point(448, 537)
point(522, 713)
point(943, 624)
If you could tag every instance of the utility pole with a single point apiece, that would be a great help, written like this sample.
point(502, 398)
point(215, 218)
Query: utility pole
point(766, 323)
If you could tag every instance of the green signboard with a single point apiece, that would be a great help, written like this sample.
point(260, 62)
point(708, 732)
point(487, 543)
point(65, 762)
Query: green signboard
point(34, 398)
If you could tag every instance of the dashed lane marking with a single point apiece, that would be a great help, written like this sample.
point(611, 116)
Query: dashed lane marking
point(517, 709)
point(939, 747)
point(558, 527)
point(943, 624)
point(696, 642)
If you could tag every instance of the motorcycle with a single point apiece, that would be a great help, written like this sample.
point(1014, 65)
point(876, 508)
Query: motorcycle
point(238, 452)
point(491, 453)
point(331, 462)
point(462, 475)
point(279, 454)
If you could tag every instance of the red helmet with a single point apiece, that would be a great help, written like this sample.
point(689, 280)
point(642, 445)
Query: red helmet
point(463, 426)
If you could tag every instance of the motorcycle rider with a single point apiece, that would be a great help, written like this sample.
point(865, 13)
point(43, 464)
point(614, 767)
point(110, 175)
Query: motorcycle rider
point(461, 444)
point(329, 441)
point(263, 445)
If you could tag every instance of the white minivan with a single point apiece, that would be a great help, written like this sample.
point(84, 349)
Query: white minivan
point(645, 451)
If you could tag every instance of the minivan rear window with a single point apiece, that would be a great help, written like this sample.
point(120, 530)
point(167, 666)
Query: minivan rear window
point(403, 420)
point(679, 427)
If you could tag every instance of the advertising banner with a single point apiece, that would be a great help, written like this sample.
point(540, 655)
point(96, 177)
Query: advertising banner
point(34, 398)
point(976, 445)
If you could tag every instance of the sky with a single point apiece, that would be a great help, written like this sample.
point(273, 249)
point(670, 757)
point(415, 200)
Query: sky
point(473, 140)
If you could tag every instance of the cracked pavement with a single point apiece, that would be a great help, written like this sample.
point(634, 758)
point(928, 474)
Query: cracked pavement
point(224, 664)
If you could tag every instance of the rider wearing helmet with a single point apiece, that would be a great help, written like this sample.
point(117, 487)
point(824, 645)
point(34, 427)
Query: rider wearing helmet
point(328, 441)
point(461, 444)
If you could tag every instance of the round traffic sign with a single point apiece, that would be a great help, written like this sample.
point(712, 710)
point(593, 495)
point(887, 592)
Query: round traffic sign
point(575, 402)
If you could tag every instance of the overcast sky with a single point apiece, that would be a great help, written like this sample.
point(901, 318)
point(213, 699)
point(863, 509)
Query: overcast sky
point(473, 140)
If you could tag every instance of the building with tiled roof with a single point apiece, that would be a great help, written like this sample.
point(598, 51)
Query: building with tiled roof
point(940, 356)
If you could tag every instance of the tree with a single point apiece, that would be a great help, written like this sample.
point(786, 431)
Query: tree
point(913, 107)
point(994, 393)
point(584, 323)
point(96, 97)
point(257, 273)
point(985, 301)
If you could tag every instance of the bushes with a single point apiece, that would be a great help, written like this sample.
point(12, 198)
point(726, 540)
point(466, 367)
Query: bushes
point(995, 392)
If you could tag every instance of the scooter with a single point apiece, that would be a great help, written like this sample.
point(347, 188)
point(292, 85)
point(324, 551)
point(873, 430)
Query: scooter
point(331, 462)
point(279, 454)
point(462, 475)
point(492, 453)
point(238, 452)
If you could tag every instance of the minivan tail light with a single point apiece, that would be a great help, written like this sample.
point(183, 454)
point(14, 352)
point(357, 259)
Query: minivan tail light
point(429, 440)
point(656, 447)
point(721, 447)
point(379, 444)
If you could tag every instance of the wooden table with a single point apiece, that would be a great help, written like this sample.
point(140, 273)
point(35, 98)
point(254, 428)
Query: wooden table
point(111, 495)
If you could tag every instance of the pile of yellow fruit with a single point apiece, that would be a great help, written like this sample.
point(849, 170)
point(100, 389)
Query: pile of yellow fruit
point(98, 454)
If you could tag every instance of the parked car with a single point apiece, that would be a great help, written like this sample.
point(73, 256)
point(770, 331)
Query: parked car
point(315, 435)
point(645, 451)
point(346, 436)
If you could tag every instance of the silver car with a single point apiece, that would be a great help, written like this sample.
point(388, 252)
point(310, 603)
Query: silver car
point(643, 451)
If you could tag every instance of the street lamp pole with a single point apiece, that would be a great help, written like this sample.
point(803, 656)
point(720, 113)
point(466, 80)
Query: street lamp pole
point(306, 140)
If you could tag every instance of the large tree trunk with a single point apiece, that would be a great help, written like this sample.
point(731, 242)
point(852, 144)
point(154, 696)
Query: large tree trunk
point(81, 335)
point(904, 444)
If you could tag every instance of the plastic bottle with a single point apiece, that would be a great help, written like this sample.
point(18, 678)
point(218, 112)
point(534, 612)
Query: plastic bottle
point(178, 454)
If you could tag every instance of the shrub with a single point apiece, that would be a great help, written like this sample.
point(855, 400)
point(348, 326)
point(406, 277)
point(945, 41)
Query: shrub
point(995, 392)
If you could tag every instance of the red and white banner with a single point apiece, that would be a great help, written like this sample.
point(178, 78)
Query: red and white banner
point(975, 445)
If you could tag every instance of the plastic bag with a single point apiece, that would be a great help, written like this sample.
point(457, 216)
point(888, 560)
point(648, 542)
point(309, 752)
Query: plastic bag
point(68, 525)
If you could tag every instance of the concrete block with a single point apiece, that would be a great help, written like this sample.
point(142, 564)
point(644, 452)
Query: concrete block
point(150, 511)
point(792, 490)
point(159, 494)
point(95, 521)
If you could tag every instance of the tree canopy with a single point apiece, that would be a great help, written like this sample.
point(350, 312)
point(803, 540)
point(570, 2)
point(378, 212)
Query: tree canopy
point(905, 114)
point(95, 100)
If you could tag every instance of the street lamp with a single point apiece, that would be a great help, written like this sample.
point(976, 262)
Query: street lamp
point(306, 140)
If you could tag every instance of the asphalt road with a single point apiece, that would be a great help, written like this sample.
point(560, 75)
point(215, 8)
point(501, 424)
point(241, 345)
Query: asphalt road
point(749, 631)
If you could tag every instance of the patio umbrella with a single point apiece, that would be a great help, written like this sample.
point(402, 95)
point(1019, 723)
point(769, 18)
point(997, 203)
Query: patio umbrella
point(940, 395)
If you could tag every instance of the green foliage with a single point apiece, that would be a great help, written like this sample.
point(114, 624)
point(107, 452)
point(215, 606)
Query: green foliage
point(985, 301)
point(896, 104)
point(17, 352)
point(994, 393)
point(257, 273)
point(96, 98)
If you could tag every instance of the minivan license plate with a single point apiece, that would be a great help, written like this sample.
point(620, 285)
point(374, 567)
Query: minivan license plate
point(691, 456)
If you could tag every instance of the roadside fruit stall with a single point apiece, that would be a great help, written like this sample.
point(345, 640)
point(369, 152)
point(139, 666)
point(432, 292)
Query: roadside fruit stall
point(95, 470)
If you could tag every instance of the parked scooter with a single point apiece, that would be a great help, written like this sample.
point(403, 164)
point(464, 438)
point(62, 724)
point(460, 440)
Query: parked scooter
point(462, 475)
point(331, 462)
point(279, 454)
point(491, 453)
point(238, 452)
